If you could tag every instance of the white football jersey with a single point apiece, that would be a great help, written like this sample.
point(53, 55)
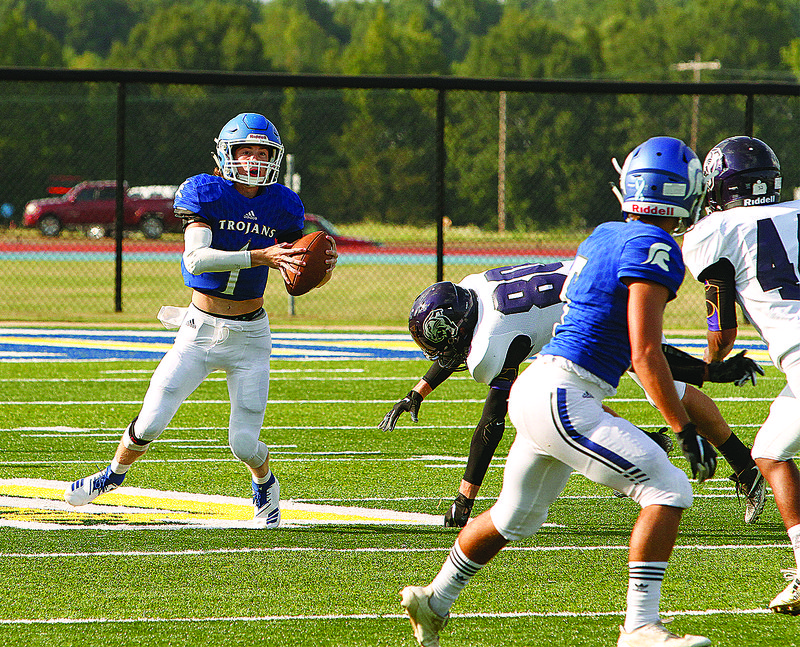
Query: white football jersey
point(513, 301)
point(762, 245)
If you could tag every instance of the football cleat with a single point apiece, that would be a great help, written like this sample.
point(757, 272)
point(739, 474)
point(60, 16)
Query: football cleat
point(458, 514)
point(266, 501)
point(657, 635)
point(87, 489)
point(753, 487)
point(426, 623)
point(661, 438)
point(788, 600)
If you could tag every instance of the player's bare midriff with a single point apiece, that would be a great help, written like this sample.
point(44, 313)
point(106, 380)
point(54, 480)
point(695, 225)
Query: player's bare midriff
point(227, 307)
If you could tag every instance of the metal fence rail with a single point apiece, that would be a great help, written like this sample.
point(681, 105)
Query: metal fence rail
point(408, 161)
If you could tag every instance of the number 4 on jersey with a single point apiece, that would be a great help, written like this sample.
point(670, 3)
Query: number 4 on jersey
point(774, 270)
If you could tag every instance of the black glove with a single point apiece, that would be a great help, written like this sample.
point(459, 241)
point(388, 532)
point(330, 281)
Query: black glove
point(409, 403)
point(698, 451)
point(738, 369)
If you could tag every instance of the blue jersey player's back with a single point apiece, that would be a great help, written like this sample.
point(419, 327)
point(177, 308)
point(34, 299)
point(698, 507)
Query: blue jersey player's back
point(237, 224)
point(594, 330)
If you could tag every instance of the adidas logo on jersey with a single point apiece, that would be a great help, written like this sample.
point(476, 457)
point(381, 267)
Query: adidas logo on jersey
point(191, 324)
point(250, 215)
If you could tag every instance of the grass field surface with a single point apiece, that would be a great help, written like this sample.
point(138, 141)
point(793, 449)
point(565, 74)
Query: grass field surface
point(175, 562)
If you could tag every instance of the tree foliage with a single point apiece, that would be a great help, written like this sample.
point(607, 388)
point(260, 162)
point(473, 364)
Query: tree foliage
point(370, 154)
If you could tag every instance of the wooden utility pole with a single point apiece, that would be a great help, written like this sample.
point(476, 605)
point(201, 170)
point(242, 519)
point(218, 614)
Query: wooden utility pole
point(696, 66)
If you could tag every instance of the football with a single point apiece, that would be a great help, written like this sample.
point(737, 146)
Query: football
point(310, 275)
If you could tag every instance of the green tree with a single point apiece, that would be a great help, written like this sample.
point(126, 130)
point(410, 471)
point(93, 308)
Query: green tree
point(213, 36)
point(465, 21)
point(386, 145)
point(92, 25)
point(390, 47)
point(294, 42)
point(24, 43)
point(557, 147)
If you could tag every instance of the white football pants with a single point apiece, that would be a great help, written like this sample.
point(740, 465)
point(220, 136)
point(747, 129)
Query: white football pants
point(204, 344)
point(779, 436)
point(561, 427)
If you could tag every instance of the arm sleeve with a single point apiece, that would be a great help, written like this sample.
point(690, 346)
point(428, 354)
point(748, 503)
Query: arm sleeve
point(199, 256)
point(436, 375)
point(720, 288)
point(684, 367)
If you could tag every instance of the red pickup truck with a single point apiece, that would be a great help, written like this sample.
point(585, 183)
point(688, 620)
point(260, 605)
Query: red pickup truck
point(91, 207)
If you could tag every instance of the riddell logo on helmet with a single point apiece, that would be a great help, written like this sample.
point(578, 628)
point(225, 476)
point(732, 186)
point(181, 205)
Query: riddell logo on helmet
point(257, 136)
point(752, 202)
point(652, 209)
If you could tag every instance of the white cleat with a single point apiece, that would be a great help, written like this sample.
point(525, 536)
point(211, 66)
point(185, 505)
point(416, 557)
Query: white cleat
point(788, 600)
point(266, 501)
point(657, 635)
point(426, 623)
point(752, 486)
point(87, 489)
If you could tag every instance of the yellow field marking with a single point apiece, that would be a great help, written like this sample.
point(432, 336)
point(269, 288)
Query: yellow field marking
point(38, 501)
point(86, 343)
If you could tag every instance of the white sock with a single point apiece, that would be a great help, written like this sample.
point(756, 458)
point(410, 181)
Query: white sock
point(118, 468)
point(644, 593)
point(260, 480)
point(456, 572)
point(794, 537)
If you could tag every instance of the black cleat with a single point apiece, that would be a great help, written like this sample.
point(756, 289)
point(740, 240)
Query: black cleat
point(662, 439)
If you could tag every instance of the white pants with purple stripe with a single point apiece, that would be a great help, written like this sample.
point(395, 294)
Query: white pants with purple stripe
point(561, 426)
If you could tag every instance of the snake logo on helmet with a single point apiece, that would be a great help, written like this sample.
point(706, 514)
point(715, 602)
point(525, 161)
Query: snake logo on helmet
point(249, 128)
point(442, 320)
point(741, 172)
point(662, 177)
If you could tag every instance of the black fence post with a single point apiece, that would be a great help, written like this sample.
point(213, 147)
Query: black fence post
point(120, 195)
point(748, 115)
point(440, 164)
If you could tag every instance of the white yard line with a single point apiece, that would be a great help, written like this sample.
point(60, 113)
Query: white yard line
point(305, 549)
point(370, 616)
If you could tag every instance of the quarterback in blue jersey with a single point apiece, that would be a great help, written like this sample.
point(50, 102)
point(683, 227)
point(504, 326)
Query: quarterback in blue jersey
point(239, 223)
point(616, 292)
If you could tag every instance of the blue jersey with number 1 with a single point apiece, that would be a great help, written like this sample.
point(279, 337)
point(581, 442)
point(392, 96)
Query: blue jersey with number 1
point(238, 223)
point(594, 331)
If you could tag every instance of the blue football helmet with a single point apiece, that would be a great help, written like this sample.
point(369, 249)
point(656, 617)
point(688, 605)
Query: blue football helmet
point(662, 177)
point(442, 321)
point(741, 172)
point(249, 128)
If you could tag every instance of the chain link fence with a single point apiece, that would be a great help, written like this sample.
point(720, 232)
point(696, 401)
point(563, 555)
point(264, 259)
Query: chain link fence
point(423, 179)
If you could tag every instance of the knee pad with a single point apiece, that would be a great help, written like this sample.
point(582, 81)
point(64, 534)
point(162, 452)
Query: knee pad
point(674, 489)
point(249, 450)
point(779, 436)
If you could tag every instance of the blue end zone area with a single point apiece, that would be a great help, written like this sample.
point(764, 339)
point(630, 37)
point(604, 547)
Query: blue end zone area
point(43, 344)
point(50, 344)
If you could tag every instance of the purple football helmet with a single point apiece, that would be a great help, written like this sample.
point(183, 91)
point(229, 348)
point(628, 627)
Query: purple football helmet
point(741, 172)
point(442, 321)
